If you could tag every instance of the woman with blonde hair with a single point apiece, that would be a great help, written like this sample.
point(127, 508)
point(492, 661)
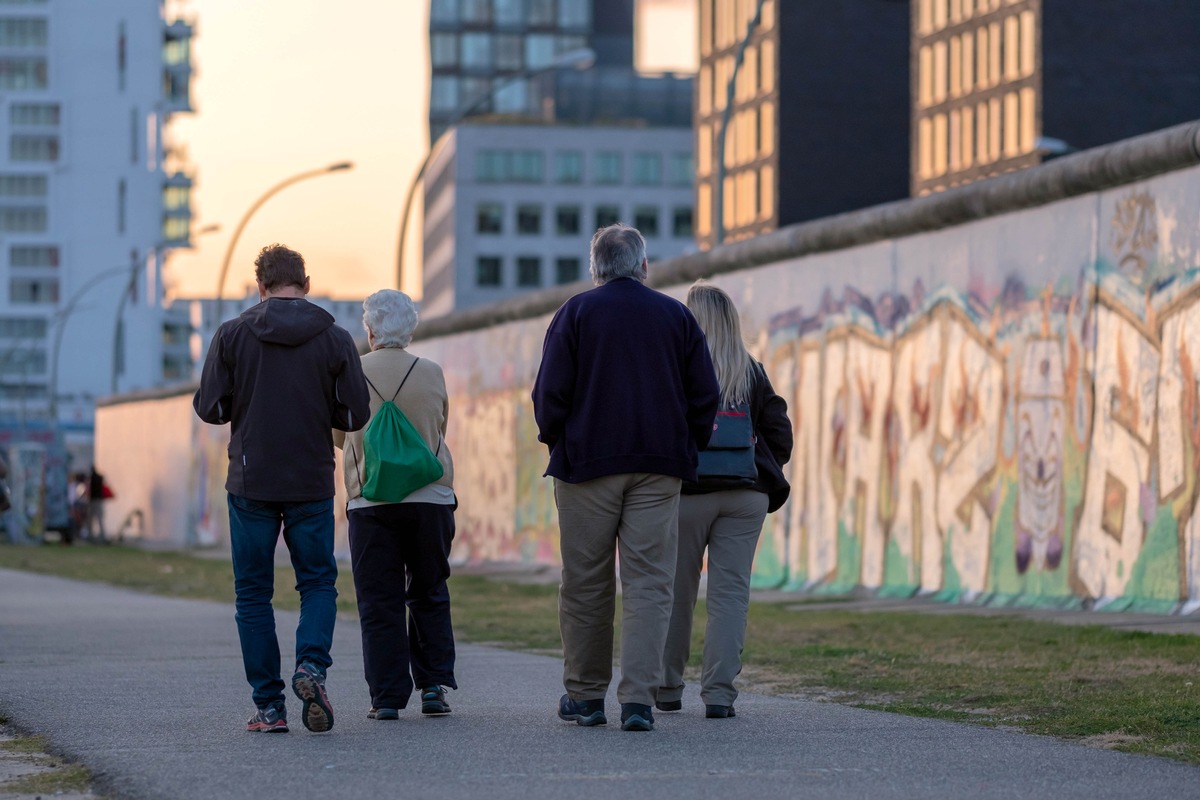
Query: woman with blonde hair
point(740, 482)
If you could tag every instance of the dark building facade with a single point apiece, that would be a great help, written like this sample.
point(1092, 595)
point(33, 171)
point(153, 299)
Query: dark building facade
point(820, 117)
point(995, 82)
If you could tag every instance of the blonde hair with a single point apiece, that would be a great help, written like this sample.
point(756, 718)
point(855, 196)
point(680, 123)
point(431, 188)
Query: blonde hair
point(718, 318)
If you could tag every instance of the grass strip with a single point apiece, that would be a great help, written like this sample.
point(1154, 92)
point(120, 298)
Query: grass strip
point(1126, 690)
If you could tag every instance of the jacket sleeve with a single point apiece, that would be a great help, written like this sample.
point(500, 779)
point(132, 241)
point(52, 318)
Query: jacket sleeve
point(553, 389)
point(351, 403)
point(773, 424)
point(700, 384)
point(214, 399)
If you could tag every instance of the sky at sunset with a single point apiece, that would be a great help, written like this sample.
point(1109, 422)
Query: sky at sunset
point(286, 86)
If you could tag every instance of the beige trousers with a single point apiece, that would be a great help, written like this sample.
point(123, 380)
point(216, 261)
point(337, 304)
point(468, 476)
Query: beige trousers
point(728, 524)
point(633, 514)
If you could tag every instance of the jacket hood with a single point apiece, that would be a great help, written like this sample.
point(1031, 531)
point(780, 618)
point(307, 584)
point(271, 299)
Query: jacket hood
point(289, 321)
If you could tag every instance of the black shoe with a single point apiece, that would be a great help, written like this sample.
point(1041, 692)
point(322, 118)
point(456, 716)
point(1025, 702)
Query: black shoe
point(582, 712)
point(383, 713)
point(309, 685)
point(433, 701)
point(668, 705)
point(636, 717)
point(719, 712)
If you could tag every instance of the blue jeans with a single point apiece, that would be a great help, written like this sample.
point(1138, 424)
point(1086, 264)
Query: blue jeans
point(254, 527)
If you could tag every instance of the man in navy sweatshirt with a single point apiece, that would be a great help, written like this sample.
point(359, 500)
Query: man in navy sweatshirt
point(624, 397)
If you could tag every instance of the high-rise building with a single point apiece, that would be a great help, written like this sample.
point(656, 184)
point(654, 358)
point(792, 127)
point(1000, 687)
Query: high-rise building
point(819, 122)
point(999, 85)
point(477, 47)
point(94, 195)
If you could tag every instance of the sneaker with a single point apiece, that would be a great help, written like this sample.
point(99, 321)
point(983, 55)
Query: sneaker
point(719, 712)
point(309, 685)
point(433, 701)
point(268, 720)
point(636, 717)
point(668, 705)
point(582, 712)
point(383, 713)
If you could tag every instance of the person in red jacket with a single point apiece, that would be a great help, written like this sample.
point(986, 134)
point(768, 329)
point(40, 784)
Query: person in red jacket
point(624, 397)
point(283, 374)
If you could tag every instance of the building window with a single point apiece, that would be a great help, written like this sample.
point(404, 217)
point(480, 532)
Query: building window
point(529, 220)
point(176, 231)
point(443, 93)
point(477, 51)
point(529, 271)
point(682, 169)
point(541, 12)
point(444, 11)
point(512, 97)
point(34, 114)
point(607, 215)
point(22, 32)
point(488, 272)
point(23, 328)
point(528, 166)
point(509, 12)
point(574, 14)
point(33, 290)
point(28, 147)
point(443, 50)
point(566, 270)
point(568, 167)
point(489, 218)
point(566, 221)
point(23, 73)
point(476, 10)
point(681, 225)
point(35, 256)
point(510, 51)
point(23, 219)
point(645, 219)
point(23, 185)
point(539, 50)
point(647, 169)
point(607, 168)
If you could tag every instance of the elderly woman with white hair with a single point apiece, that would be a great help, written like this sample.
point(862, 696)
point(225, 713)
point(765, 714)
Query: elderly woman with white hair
point(400, 545)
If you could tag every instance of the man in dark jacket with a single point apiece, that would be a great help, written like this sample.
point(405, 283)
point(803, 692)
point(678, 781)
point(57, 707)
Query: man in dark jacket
point(624, 397)
point(283, 374)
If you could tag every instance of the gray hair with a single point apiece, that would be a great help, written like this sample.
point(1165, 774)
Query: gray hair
point(618, 251)
point(390, 317)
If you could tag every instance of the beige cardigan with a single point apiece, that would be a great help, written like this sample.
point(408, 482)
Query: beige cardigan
point(423, 400)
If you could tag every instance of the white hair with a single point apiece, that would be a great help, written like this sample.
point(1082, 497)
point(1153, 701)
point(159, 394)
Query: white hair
point(618, 251)
point(390, 317)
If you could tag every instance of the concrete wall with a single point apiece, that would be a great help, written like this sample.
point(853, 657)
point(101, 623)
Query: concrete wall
point(1005, 408)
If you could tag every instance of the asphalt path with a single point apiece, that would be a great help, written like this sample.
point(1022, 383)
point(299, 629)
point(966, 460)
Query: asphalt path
point(148, 692)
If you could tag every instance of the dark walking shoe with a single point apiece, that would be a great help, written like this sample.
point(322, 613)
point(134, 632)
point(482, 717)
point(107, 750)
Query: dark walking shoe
point(636, 717)
point(668, 705)
point(309, 685)
point(719, 712)
point(433, 701)
point(271, 719)
point(582, 712)
point(383, 713)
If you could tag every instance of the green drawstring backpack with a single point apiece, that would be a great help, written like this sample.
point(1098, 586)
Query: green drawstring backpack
point(396, 459)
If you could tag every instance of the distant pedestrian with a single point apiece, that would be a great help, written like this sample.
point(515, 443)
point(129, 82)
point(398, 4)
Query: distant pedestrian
point(282, 373)
point(723, 512)
point(400, 532)
point(624, 396)
point(98, 494)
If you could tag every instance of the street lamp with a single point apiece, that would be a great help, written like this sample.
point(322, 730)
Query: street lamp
point(580, 59)
point(718, 206)
point(339, 167)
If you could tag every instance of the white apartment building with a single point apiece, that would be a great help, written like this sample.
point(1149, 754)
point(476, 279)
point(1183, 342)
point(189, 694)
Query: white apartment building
point(511, 208)
point(93, 198)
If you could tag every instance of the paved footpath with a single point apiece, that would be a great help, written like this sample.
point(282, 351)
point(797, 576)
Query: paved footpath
point(148, 693)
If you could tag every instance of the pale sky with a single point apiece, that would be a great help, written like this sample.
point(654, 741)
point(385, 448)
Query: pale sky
point(285, 86)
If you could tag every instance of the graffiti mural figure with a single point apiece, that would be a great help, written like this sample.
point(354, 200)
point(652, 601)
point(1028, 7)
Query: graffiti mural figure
point(1041, 417)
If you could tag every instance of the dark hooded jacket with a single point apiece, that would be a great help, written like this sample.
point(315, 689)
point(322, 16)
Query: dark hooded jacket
point(284, 375)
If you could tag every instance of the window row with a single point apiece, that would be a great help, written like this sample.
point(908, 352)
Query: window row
point(490, 271)
point(528, 166)
point(23, 219)
point(723, 23)
point(751, 135)
point(1005, 50)
point(568, 220)
point(33, 147)
point(30, 291)
point(933, 15)
point(34, 114)
point(488, 52)
point(576, 14)
point(977, 135)
point(755, 77)
point(18, 73)
point(23, 185)
point(22, 327)
point(748, 199)
point(22, 31)
point(33, 255)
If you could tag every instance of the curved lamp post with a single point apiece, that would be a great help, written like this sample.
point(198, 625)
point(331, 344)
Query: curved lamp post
point(718, 206)
point(580, 59)
point(316, 173)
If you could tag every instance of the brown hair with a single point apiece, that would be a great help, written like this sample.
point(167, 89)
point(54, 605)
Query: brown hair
point(278, 266)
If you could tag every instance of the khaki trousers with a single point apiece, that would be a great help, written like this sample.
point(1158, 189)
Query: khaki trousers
point(633, 514)
point(728, 524)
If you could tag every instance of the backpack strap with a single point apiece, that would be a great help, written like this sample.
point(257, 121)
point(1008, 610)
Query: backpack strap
point(398, 388)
